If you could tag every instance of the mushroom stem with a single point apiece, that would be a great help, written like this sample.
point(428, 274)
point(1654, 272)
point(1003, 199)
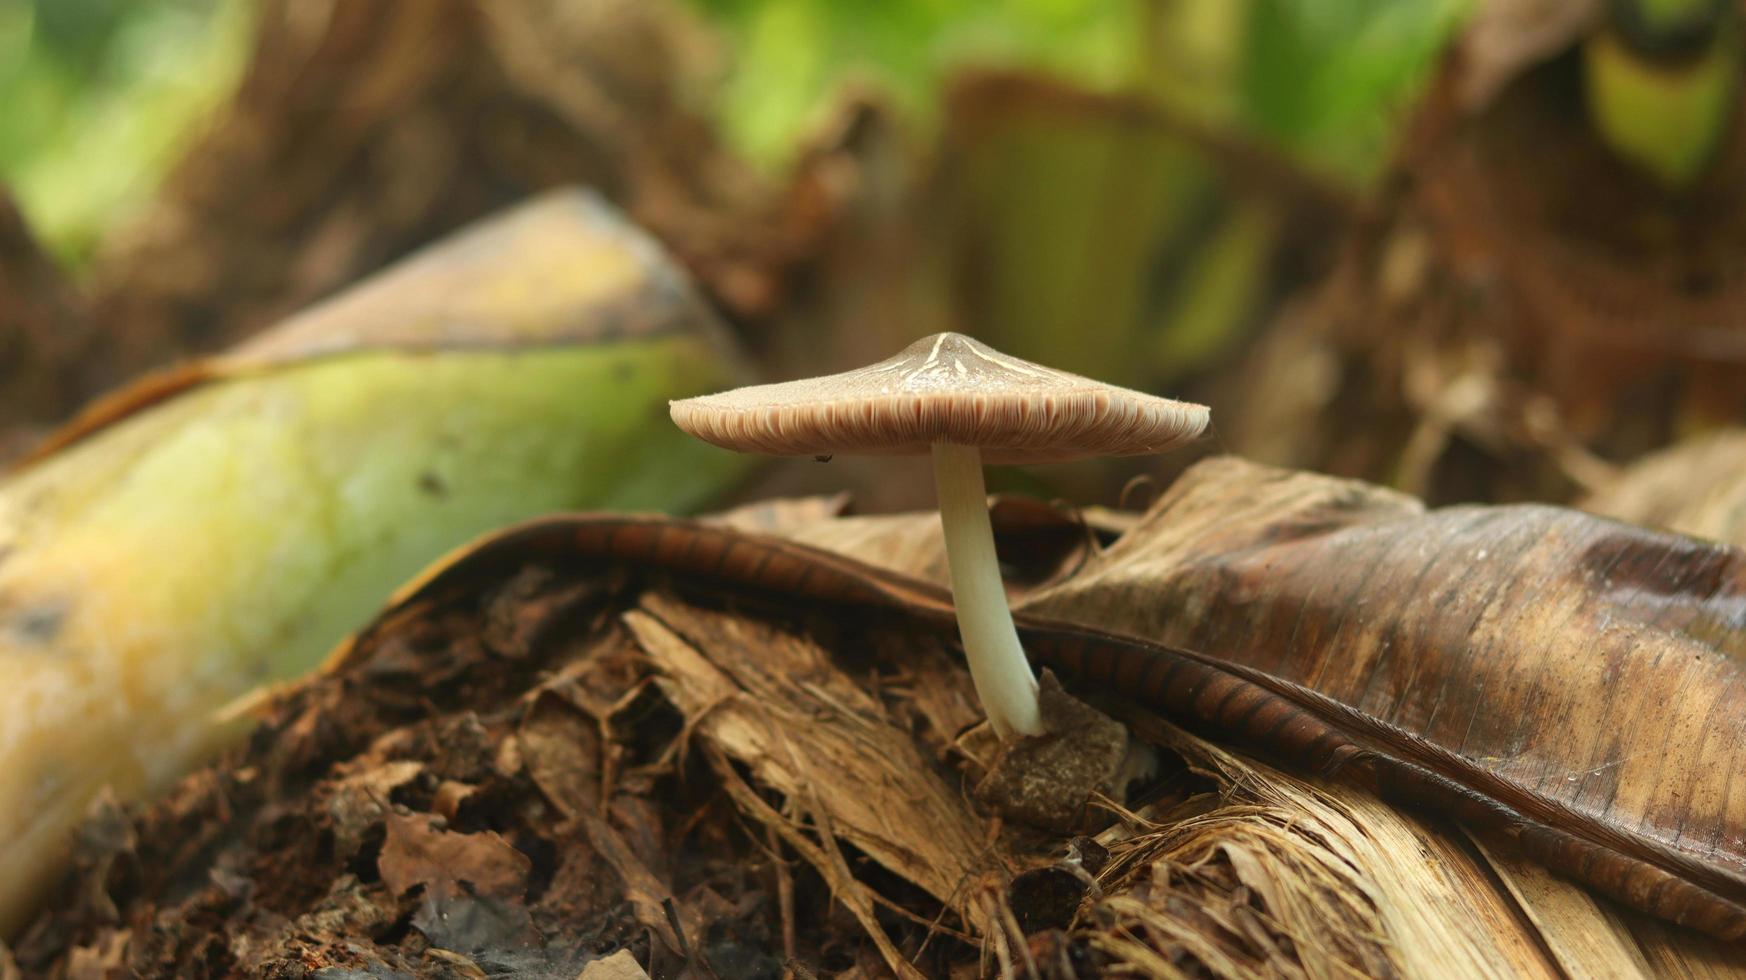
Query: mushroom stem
point(1003, 677)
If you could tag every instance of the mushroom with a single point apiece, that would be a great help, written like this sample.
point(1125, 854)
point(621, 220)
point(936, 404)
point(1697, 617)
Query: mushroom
point(964, 402)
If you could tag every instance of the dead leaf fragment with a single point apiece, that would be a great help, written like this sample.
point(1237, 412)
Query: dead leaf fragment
point(1696, 487)
point(619, 966)
point(1267, 606)
point(360, 801)
point(774, 702)
point(447, 863)
point(560, 747)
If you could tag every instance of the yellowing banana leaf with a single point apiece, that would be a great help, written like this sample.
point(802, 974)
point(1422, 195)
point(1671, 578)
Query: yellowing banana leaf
point(223, 525)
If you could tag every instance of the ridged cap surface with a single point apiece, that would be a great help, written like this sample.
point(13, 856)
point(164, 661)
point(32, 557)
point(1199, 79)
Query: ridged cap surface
point(943, 388)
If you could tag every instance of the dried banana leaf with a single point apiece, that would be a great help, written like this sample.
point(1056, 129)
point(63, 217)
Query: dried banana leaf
point(1570, 685)
point(1441, 906)
point(1580, 681)
point(1245, 878)
point(1347, 885)
point(223, 525)
point(1695, 487)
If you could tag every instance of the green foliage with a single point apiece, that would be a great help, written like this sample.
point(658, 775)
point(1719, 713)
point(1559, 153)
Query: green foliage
point(102, 95)
point(1324, 77)
point(100, 98)
point(790, 55)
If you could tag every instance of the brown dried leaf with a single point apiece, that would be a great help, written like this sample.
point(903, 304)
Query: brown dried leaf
point(417, 852)
point(1498, 647)
point(1284, 876)
point(1275, 874)
point(1697, 487)
point(359, 801)
point(775, 702)
point(560, 746)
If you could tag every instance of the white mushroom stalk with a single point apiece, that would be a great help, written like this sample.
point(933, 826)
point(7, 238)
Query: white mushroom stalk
point(962, 401)
point(997, 661)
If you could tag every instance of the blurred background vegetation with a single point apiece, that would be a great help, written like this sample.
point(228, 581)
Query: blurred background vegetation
point(1480, 251)
point(102, 95)
point(1323, 79)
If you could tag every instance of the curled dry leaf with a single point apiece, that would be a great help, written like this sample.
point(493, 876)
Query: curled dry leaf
point(1495, 651)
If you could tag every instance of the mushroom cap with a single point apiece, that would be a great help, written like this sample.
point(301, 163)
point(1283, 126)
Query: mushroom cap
point(944, 388)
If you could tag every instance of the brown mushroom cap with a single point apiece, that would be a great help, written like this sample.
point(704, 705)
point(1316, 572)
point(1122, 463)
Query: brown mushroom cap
point(945, 388)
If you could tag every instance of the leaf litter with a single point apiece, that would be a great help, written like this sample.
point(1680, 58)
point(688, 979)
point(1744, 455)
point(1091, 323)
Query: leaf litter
point(532, 763)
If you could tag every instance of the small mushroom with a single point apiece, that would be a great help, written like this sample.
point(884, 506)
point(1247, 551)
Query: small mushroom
point(963, 402)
